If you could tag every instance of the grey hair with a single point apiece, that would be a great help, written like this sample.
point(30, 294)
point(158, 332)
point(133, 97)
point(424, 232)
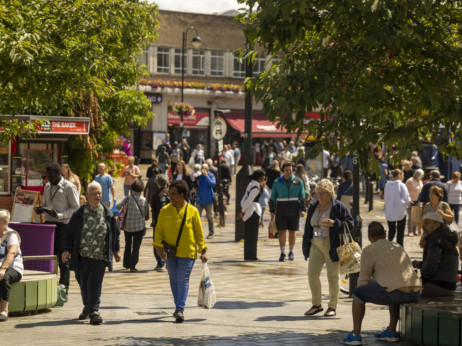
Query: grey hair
point(5, 215)
point(93, 185)
point(326, 185)
point(197, 167)
point(418, 173)
point(209, 162)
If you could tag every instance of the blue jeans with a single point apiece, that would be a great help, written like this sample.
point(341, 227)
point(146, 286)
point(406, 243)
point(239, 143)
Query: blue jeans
point(89, 275)
point(376, 294)
point(127, 190)
point(179, 271)
point(456, 210)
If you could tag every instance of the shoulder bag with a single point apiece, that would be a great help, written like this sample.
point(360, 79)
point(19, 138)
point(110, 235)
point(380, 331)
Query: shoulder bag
point(123, 214)
point(349, 253)
point(142, 216)
point(169, 249)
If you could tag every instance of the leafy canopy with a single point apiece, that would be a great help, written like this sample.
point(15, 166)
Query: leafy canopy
point(378, 71)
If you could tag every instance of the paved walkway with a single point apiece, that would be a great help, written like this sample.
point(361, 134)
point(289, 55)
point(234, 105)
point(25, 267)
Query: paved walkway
point(258, 303)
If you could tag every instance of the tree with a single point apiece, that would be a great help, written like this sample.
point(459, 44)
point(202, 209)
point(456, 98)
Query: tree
point(78, 58)
point(378, 71)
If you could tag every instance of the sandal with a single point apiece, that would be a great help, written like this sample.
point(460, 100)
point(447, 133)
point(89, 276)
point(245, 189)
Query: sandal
point(330, 312)
point(314, 310)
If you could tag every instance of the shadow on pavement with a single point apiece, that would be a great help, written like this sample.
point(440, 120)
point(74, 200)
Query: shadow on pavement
point(231, 305)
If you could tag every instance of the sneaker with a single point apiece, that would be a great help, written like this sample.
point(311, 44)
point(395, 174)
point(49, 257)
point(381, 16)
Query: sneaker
point(3, 318)
point(84, 315)
point(160, 268)
point(352, 339)
point(210, 236)
point(95, 318)
point(291, 256)
point(282, 258)
point(133, 270)
point(386, 335)
point(179, 316)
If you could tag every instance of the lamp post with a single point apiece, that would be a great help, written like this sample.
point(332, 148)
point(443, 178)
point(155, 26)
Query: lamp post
point(196, 43)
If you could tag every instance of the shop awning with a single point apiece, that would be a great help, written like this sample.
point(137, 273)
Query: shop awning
point(57, 125)
point(195, 121)
point(261, 127)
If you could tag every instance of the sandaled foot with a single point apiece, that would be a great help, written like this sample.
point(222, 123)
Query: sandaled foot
point(314, 310)
point(330, 312)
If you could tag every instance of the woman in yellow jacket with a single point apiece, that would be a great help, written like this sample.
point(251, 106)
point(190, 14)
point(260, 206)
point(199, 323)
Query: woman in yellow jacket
point(190, 242)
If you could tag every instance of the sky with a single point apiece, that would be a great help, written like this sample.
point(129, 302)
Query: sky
point(198, 6)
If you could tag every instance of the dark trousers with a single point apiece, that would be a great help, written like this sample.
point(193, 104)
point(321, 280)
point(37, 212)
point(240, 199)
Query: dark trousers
point(89, 275)
point(160, 261)
point(64, 272)
point(132, 248)
point(251, 237)
point(397, 227)
point(11, 276)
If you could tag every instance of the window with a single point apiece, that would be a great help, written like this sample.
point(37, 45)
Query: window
point(143, 58)
point(198, 62)
point(178, 58)
point(35, 158)
point(217, 63)
point(239, 67)
point(163, 61)
point(259, 65)
point(4, 168)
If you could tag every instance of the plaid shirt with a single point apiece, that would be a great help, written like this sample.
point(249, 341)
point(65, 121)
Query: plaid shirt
point(134, 221)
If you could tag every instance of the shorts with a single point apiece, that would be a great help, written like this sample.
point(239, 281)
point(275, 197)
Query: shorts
point(376, 294)
point(290, 223)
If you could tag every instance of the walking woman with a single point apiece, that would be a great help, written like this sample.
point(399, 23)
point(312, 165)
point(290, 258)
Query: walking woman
point(134, 226)
point(251, 212)
point(325, 222)
point(414, 186)
point(181, 172)
point(437, 205)
point(454, 188)
point(179, 226)
point(11, 269)
point(397, 200)
point(67, 173)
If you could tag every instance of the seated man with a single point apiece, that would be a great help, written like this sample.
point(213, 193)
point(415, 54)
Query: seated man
point(386, 278)
point(440, 258)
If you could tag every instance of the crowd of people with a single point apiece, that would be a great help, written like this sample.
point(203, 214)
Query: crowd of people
point(181, 183)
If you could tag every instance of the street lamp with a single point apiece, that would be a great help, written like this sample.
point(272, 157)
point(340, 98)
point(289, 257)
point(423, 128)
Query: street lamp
point(196, 43)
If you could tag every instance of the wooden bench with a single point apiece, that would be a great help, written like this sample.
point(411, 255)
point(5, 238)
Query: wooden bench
point(432, 321)
point(36, 291)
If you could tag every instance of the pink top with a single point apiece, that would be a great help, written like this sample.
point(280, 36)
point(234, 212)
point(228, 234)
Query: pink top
point(414, 186)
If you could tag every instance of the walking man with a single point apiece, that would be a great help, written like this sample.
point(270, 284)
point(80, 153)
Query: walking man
point(107, 185)
point(60, 201)
point(92, 239)
point(288, 204)
point(204, 199)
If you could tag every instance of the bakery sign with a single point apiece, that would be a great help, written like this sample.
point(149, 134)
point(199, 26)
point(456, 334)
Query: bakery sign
point(58, 125)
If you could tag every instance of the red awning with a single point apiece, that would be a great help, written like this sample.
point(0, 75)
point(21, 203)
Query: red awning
point(261, 127)
point(195, 121)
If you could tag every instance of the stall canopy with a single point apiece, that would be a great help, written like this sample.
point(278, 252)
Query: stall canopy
point(195, 121)
point(261, 127)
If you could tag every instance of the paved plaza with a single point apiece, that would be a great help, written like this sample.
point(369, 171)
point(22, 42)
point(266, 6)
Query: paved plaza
point(258, 303)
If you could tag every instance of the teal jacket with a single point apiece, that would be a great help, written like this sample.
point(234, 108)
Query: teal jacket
point(287, 197)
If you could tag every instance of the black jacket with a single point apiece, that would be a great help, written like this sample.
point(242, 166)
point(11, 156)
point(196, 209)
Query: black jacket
point(339, 213)
point(72, 237)
point(440, 258)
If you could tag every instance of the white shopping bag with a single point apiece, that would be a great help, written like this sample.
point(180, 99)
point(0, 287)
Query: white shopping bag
point(207, 296)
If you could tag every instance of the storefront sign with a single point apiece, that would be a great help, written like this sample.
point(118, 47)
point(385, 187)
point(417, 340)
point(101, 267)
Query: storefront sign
point(197, 120)
point(154, 98)
point(65, 127)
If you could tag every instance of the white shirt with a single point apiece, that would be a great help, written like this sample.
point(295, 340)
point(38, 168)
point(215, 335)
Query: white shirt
point(8, 239)
point(325, 159)
point(247, 202)
point(396, 200)
point(229, 157)
point(62, 197)
point(454, 192)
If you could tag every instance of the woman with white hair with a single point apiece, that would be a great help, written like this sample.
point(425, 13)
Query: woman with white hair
point(414, 186)
point(324, 225)
point(11, 268)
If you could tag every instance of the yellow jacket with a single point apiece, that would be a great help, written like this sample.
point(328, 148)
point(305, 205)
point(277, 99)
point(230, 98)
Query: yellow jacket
point(168, 226)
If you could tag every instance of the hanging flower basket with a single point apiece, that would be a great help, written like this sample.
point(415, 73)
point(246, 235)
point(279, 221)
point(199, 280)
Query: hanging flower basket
point(184, 108)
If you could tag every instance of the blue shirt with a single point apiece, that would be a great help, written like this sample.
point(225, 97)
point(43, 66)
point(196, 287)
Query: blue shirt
point(106, 182)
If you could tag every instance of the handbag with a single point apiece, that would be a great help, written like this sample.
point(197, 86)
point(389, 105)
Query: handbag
point(416, 215)
point(122, 215)
point(207, 296)
point(272, 228)
point(349, 253)
point(169, 249)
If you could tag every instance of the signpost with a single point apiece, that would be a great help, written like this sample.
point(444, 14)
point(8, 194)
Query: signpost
point(218, 133)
